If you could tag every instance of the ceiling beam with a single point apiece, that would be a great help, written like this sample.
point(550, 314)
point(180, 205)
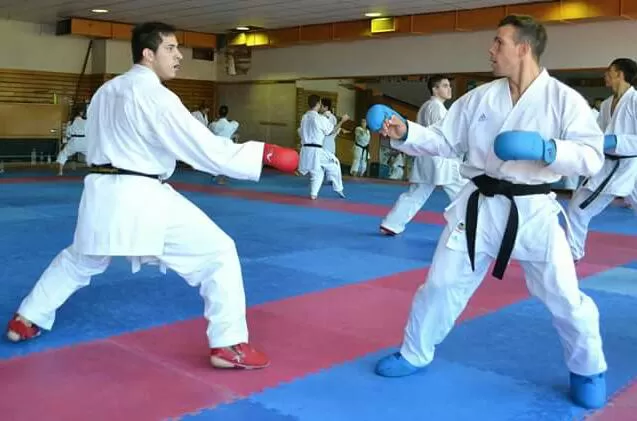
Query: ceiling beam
point(467, 20)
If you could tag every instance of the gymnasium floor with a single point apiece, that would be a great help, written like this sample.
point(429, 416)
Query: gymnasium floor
point(327, 297)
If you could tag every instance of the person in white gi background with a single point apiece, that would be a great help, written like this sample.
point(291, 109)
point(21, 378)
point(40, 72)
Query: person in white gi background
point(360, 151)
point(223, 128)
point(75, 139)
point(520, 133)
point(329, 144)
point(597, 104)
point(137, 130)
point(427, 171)
point(396, 166)
point(618, 176)
point(201, 114)
point(572, 183)
point(315, 159)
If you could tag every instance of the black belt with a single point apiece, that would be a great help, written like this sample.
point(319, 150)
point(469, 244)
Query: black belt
point(109, 169)
point(312, 145)
point(603, 184)
point(78, 135)
point(364, 148)
point(491, 187)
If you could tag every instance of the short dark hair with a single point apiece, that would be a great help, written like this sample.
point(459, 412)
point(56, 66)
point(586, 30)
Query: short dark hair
point(327, 102)
point(529, 31)
point(223, 111)
point(628, 67)
point(312, 100)
point(149, 35)
point(434, 81)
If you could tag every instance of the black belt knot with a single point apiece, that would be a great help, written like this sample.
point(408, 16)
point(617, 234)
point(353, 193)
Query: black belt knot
point(491, 187)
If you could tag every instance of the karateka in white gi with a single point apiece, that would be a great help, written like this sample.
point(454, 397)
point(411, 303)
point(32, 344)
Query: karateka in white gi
point(223, 127)
point(315, 159)
point(520, 133)
point(137, 130)
point(329, 144)
point(618, 176)
point(201, 114)
point(75, 139)
point(572, 183)
point(427, 171)
point(360, 151)
point(396, 166)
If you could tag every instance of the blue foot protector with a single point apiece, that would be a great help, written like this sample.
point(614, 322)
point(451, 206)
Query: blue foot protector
point(395, 365)
point(588, 391)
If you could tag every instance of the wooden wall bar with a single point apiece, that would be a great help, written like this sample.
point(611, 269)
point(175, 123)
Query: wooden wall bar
point(191, 92)
point(21, 87)
point(24, 86)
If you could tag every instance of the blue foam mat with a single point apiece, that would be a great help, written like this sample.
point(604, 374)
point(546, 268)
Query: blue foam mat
point(244, 410)
point(280, 261)
point(361, 192)
point(506, 365)
point(486, 362)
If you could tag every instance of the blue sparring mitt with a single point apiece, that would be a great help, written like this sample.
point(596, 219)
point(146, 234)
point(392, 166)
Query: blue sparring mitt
point(610, 142)
point(377, 114)
point(517, 145)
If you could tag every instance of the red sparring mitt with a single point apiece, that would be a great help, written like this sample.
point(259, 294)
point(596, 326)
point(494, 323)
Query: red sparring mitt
point(283, 159)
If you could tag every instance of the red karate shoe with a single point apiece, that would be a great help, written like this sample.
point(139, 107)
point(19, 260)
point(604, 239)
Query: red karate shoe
point(242, 355)
point(20, 329)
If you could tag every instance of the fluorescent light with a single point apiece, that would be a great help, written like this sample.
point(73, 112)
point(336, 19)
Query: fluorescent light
point(373, 14)
point(99, 10)
point(242, 28)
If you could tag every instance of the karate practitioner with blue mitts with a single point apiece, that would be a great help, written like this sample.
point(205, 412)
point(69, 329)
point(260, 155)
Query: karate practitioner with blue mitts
point(520, 133)
point(618, 176)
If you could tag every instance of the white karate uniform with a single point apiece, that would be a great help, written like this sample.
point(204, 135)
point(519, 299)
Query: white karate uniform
point(224, 128)
point(360, 151)
point(329, 144)
point(135, 123)
point(397, 169)
point(315, 159)
point(76, 140)
point(572, 183)
point(555, 111)
point(427, 173)
point(595, 113)
point(201, 117)
point(623, 123)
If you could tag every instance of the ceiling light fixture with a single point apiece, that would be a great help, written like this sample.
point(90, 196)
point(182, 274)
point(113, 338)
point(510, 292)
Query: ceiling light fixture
point(373, 14)
point(242, 28)
point(99, 10)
